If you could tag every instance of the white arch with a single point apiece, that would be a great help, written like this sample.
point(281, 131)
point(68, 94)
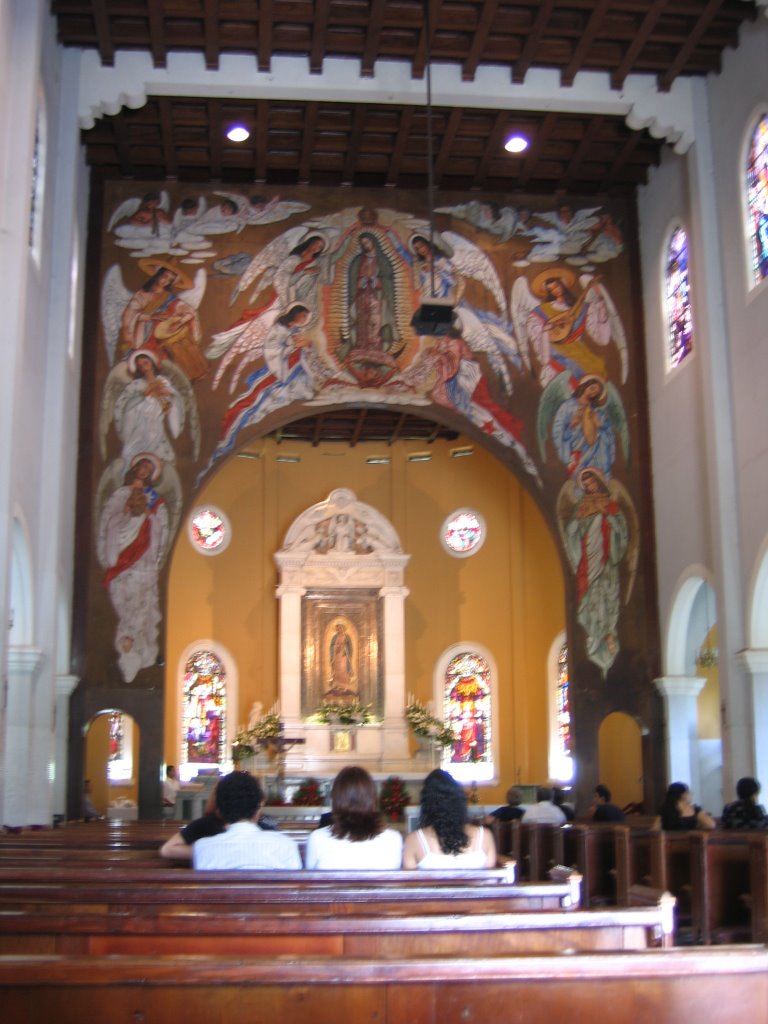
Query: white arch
point(757, 603)
point(489, 776)
point(230, 665)
point(22, 620)
point(693, 613)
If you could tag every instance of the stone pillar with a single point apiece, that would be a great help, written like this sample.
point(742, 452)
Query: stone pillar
point(290, 595)
point(754, 664)
point(680, 694)
point(65, 685)
point(23, 667)
point(395, 733)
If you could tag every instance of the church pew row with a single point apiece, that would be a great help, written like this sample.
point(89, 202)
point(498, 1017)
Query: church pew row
point(716, 984)
point(362, 934)
point(233, 892)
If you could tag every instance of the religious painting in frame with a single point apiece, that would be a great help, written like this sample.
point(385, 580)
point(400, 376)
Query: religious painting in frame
point(342, 659)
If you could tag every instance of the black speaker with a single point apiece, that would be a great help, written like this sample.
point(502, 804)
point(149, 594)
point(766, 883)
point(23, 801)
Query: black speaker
point(432, 318)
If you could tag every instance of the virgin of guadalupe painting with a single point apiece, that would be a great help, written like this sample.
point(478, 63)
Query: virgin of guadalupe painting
point(342, 660)
point(341, 647)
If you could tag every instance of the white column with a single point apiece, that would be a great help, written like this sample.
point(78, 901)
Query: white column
point(23, 665)
point(395, 732)
point(754, 664)
point(65, 686)
point(290, 596)
point(680, 694)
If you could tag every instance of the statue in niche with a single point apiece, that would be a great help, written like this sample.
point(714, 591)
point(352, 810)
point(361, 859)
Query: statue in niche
point(342, 678)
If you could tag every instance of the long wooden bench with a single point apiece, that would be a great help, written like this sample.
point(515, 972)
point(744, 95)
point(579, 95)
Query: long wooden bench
point(715, 984)
point(362, 934)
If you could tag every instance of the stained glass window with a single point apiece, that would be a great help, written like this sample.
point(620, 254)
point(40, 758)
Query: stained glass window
point(120, 747)
point(757, 200)
point(463, 532)
point(209, 530)
point(204, 710)
point(563, 768)
point(467, 709)
point(37, 184)
point(678, 299)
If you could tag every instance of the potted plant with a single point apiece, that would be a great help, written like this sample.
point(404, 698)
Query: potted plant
point(393, 798)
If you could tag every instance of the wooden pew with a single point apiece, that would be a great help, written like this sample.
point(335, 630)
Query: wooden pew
point(599, 853)
point(713, 984)
point(362, 934)
point(540, 848)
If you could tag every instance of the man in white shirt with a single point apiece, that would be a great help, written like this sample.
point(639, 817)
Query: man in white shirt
point(239, 799)
point(544, 812)
point(171, 787)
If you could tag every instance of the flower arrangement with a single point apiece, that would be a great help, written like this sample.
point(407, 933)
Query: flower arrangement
point(422, 722)
point(331, 712)
point(393, 798)
point(248, 741)
point(308, 794)
point(707, 657)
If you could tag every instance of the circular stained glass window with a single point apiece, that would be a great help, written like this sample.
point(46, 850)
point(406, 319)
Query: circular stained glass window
point(209, 530)
point(463, 532)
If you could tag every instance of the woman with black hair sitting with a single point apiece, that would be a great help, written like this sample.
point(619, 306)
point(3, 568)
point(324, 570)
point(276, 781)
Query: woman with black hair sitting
point(445, 839)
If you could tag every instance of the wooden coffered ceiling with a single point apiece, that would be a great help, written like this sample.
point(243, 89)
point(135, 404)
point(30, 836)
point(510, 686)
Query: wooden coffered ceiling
point(364, 142)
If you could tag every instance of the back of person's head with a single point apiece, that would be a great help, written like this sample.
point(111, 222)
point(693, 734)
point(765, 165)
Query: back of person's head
point(747, 788)
point(444, 808)
point(603, 792)
point(355, 805)
point(238, 797)
point(559, 796)
point(544, 795)
point(675, 791)
point(514, 796)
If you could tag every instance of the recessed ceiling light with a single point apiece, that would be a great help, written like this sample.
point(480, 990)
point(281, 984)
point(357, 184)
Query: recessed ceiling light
point(516, 144)
point(419, 457)
point(238, 133)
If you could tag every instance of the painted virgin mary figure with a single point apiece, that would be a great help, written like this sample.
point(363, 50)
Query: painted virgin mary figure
point(342, 676)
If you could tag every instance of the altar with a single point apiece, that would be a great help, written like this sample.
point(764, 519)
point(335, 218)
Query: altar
point(341, 592)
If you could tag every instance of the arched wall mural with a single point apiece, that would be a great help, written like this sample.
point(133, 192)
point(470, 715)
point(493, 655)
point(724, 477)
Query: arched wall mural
point(221, 314)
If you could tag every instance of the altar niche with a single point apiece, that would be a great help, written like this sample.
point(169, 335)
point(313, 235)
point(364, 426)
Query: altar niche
point(342, 594)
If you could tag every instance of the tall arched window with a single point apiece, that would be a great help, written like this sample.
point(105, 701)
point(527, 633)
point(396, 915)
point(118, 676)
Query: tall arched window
point(757, 200)
point(563, 767)
point(203, 712)
point(467, 708)
point(677, 299)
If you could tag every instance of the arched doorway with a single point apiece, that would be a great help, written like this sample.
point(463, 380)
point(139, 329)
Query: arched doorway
point(620, 758)
point(111, 763)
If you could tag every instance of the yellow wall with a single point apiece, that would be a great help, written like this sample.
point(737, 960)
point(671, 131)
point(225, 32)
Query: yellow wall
point(708, 703)
point(96, 756)
point(508, 597)
point(621, 758)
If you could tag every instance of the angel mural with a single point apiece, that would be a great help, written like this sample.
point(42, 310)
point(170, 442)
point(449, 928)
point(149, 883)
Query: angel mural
point(503, 222)
point(444, 267)
point(560, 234)
point(459, 384)
point(288, 267)
point(555, 321)
point(286, 376)
point(587, 417)
point(141, 219)
point(133, 539)
point(599, 529)
point(157, 317)
point(148, 401)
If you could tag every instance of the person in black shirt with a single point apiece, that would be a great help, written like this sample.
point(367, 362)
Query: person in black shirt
point(680, 814)
point(746, 812)
point(511, 811)
point(603, 809)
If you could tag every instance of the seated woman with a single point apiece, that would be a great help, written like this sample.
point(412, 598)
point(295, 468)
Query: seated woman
point(356, 839)
point(746, 812)
point(680, 814)
point(445, 838)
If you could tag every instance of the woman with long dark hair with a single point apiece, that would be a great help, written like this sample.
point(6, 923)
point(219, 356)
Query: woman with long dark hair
point(679, 813)
point(356, 838)
point(445, 839)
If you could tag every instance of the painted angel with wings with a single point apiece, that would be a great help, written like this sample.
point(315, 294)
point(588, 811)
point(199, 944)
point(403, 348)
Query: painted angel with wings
point(148, 402)
point(142, 217)
point(257, 209)
point(566, 234)
point(587, 418)
point(284, 273)
point(554, 320)
point(600, 533)
point(137, 512)
point(157, 316)
point(445, 265)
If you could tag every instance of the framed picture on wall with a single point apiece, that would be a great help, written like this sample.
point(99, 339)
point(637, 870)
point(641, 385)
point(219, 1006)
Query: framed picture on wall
point(342, 658)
